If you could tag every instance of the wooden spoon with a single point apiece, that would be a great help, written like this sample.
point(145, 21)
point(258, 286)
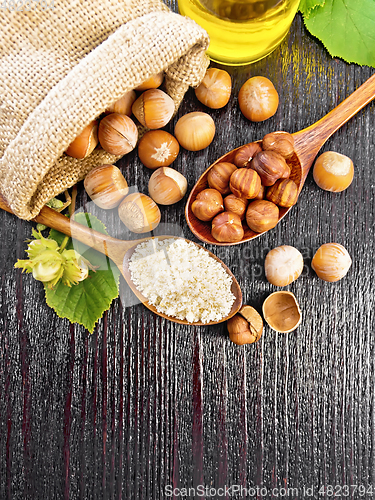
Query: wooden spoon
point(120, 251)
point(307, 143)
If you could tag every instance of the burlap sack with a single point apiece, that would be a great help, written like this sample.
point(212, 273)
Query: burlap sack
point(62, 67)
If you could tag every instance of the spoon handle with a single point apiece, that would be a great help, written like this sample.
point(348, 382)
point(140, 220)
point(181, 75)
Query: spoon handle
point(309, 140)
point(105, 244)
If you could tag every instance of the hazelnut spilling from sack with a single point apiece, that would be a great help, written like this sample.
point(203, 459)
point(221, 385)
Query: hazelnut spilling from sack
point(62, 67)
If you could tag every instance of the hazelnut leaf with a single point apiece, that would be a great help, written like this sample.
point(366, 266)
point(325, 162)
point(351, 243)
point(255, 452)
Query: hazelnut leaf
point(85, 302)
point(306, 6)
point(345, 27)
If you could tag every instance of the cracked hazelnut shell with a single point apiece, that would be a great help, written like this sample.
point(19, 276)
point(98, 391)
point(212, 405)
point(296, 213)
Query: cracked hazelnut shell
point(282, 312)
point(246, 327)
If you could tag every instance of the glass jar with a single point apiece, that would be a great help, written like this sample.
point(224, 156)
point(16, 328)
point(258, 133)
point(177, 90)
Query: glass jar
point(241, 31)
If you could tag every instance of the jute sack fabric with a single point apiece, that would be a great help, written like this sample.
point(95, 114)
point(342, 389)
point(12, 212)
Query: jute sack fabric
point(62, 67)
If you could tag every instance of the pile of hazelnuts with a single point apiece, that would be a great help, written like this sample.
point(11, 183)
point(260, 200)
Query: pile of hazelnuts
point(250, 191)
point(116, 132)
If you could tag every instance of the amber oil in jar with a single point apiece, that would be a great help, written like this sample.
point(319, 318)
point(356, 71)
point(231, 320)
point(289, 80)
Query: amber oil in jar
point(241, 31)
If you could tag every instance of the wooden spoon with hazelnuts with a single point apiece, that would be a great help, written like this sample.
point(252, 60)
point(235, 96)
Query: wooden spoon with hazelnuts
point(247, 191)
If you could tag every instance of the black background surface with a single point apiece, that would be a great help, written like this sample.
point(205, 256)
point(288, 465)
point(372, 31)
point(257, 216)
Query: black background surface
point(144, 403)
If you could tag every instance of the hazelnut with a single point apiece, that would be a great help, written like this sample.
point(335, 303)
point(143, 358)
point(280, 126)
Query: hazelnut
point(207, 204)
point(283, 265)
point(195, 131)
point(246, 327)
point(215, 88)
point(282, 312)
point(236, 205)
point(333, 171)
point(262, 215)
point(283, 193)
point(124, 104)
point(139, 213)
point(258, 99)
point(85, 142)
point(246, 153)
point(153, 108)
point(227, 228)
point(270, 166)
point(245, 183)
point(118, 134)
point(152, 83)
point(158, 148)
point(106, 186)
point(167, 186)
point(219, 175)
point(261, 193)
point(331, 262)
point(280, 142)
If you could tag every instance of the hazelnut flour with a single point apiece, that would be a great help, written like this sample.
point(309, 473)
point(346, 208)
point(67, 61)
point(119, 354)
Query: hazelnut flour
point(182, 280)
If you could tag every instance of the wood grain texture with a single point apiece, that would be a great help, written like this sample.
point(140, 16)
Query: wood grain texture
point(144, 403)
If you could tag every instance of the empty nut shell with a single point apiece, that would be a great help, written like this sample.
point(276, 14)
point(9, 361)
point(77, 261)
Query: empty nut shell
point(283, 265)
point(219, 175)
point(246, 153)
point(283, 193)
point(270, 166)
point(282, 312)
point(246, 327)
point(245, 183)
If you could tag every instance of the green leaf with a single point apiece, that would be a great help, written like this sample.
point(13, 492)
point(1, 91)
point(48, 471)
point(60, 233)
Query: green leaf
point(346, 28)
point(85, 302)
point(306, 6)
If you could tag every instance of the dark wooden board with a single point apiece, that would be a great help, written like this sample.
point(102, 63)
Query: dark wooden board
point(144, 403)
